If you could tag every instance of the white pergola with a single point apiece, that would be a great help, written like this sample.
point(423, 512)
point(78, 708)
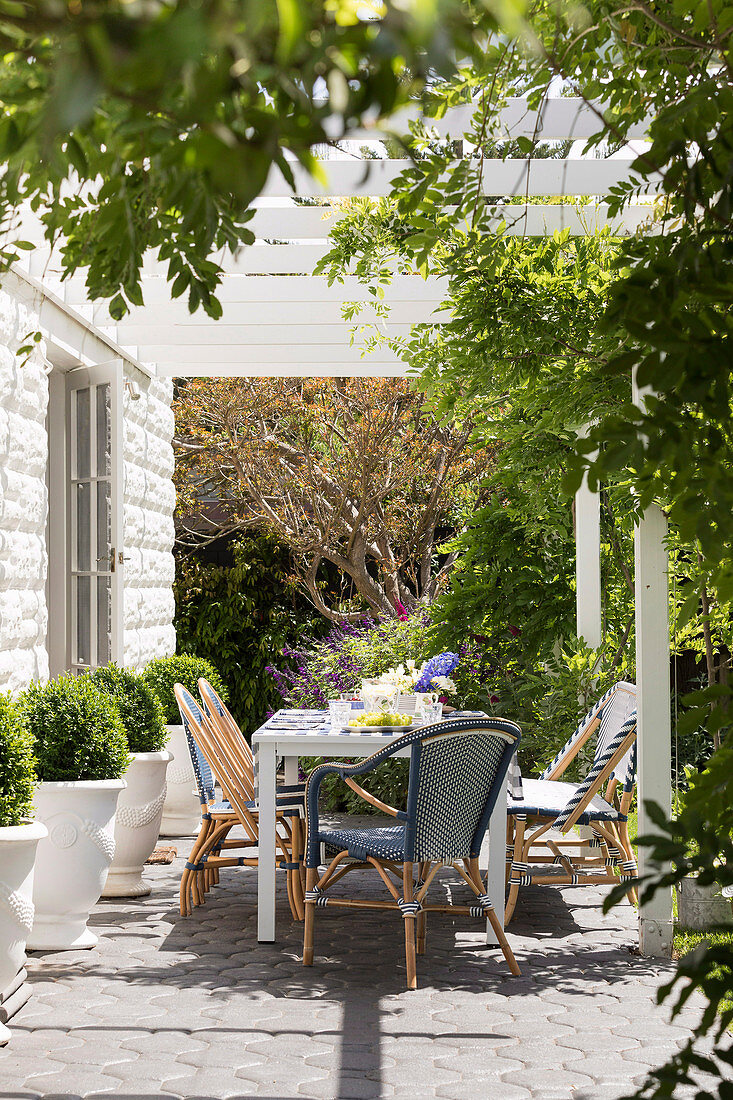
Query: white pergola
point(280, 320)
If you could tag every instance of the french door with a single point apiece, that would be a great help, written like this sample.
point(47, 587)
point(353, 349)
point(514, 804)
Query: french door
point(95, 427)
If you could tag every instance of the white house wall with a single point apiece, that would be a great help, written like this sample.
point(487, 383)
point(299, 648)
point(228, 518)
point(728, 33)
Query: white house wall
point(148, 503)
point(23, 501)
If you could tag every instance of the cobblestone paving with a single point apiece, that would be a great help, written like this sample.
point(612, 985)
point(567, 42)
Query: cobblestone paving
point(195, 1007)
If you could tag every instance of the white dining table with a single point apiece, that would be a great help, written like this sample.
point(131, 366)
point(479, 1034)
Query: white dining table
point(291, 734)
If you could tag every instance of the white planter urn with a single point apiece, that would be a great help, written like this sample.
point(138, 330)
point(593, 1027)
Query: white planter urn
point(182, 808)
point(18, 845)
point(137, 824)
point(72, 861)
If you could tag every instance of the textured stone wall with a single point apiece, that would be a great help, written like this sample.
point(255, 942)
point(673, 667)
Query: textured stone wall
point(23, 501)
point(148, 503)
point(149, 500)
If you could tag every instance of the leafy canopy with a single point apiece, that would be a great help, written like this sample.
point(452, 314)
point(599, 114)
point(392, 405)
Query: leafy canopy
point(136, 126)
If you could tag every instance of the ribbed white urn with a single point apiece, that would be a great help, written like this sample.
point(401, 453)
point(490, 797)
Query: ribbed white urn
point(18, 845)
point(137, 823)
point(182, 809)
point(72, 861)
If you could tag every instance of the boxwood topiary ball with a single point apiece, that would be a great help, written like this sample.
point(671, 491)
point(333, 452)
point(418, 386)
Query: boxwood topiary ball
point(17, 775)
point(77, 729)
point(141, 713)
point(163, 672)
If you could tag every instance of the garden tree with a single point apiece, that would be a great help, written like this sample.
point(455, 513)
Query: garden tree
point(136, 126)
point(351, 472)
point(522, 355)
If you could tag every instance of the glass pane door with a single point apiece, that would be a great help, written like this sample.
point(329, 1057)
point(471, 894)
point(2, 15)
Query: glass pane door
point(94, 492)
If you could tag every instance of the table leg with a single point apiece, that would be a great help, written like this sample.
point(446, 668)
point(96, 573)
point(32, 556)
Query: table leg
point(497, 849)
point(291, 771)
point(266, 846)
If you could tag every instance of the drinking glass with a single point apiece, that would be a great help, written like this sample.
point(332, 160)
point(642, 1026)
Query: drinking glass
point(339, 711)
point(430, 709)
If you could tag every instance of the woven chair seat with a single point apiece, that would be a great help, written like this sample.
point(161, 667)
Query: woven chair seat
point(384, 843)
point(549, 797)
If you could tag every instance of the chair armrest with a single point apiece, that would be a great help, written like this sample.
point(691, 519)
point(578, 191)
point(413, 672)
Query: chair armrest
point(344, 771)
point(371, 798)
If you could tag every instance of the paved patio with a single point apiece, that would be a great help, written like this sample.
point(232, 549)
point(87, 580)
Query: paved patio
point(172, 1007)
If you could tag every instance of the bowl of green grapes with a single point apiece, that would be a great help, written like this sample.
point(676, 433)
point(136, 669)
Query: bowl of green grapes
point(382, 718)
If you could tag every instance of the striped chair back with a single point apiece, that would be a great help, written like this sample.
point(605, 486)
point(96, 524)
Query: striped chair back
point(223, 721)
point(201, 769)
point(221, 755)
point(617, 710)
point(616, 759)
point(606, 715)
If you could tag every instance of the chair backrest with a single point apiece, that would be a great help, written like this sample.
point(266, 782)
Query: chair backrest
point(223, 721)
point(616, 712)
point(457, 771)
point(618, 754)
point(606, 715)
point(217, 751)
point(191, 714)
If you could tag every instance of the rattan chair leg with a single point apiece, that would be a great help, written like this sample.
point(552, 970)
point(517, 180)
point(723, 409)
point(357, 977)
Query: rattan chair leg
point(294, 873)
point(504, 943)
point(409, 922)
point(511, 902)
point(185, 903)
point(421, 923)
point(625, 841)
point(311, 878)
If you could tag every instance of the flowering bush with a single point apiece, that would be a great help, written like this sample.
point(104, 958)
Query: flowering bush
point(369, 649)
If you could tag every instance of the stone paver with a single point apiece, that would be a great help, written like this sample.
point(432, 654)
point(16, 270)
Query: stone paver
point(166, 1007)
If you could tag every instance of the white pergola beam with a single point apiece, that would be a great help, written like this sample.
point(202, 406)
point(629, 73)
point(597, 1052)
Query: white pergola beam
point(308, 223)
point(557, 119)
point(312, 355)
point(651, 603)
point(588, 566)
point(250, 336)
point(500, 177)
point(362, 368)
point(282, 290)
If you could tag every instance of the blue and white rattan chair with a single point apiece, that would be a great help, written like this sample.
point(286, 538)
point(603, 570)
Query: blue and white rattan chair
point(537, 858)
point(290, 798)
point(212, 752)
point(457, 771)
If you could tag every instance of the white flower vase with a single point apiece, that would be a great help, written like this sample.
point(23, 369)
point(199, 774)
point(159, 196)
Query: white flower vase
point(137, 824)
point(18, 845)
point(72, 861)
point(181, 809)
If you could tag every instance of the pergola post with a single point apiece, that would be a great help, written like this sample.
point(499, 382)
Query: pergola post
point(653, 689)
point(588, 565)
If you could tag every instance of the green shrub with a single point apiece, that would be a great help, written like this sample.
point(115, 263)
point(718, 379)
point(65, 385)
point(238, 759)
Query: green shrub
point(162, 673)
point(141, 713)
point(239, 615)
point(17, 776)
point(77, 730)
